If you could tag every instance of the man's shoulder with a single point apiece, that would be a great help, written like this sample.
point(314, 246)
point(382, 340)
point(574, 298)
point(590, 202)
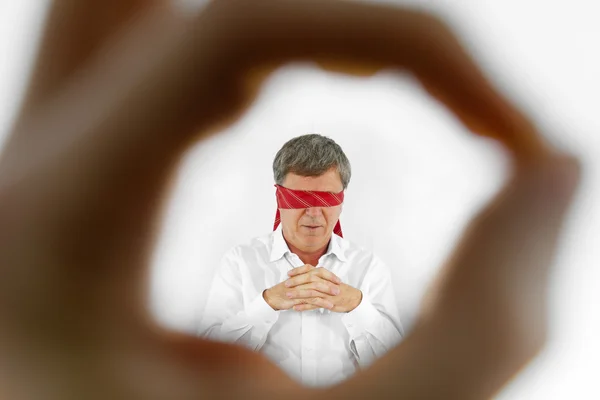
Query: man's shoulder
point(359, 253)
point(258, 244)
point(351, 246)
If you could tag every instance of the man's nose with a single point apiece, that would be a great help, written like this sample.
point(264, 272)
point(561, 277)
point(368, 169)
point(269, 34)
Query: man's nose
point(314, 211)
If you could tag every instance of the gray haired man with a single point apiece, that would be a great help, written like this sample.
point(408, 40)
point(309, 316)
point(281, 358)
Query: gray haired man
point(311, 301)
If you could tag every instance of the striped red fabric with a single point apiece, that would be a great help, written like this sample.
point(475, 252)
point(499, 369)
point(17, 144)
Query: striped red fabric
point(288, 198)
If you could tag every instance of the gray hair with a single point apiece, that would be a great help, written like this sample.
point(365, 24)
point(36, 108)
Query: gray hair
point(311, 155)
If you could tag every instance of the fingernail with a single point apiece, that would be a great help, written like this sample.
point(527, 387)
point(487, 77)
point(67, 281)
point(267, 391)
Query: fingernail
point(289, 294)
point(287, 283)
point(329, 305)
point(336, 291)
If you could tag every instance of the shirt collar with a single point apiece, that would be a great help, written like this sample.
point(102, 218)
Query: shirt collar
point(279, 247)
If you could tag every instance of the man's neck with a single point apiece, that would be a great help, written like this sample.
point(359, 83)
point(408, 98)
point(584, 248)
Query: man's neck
point(311, 257)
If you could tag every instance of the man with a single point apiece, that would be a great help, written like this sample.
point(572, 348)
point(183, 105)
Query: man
point(111, 108)
point(314, 303)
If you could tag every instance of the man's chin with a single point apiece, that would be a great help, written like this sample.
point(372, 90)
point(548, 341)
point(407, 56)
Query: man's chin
point(314, 239)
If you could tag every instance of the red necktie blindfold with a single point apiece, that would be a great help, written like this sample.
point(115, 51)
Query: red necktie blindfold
point(288, 199)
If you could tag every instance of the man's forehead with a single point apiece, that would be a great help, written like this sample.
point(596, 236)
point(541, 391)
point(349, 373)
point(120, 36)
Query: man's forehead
point(327, 182)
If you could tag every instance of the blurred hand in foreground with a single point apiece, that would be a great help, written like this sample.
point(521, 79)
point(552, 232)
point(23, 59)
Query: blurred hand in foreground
point(122, 88)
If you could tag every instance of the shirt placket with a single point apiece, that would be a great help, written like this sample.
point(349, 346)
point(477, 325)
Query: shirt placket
point(309, 344)
point(308, 333)
point(310, 339)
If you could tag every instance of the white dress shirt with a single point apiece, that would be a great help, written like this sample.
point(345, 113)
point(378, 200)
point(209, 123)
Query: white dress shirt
point(317, 347)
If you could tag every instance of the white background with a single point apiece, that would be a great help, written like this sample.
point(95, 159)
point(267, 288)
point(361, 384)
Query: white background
point(417, 174)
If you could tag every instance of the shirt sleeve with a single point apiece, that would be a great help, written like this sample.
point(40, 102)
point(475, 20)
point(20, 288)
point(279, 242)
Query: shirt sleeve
point(374, 326)
point(228, 317)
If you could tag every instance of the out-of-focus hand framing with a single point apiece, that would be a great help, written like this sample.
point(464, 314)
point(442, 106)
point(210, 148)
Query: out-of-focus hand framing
point(119, 92)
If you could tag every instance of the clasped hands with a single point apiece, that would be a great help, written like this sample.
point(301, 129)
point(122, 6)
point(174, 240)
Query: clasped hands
point(309, 288)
